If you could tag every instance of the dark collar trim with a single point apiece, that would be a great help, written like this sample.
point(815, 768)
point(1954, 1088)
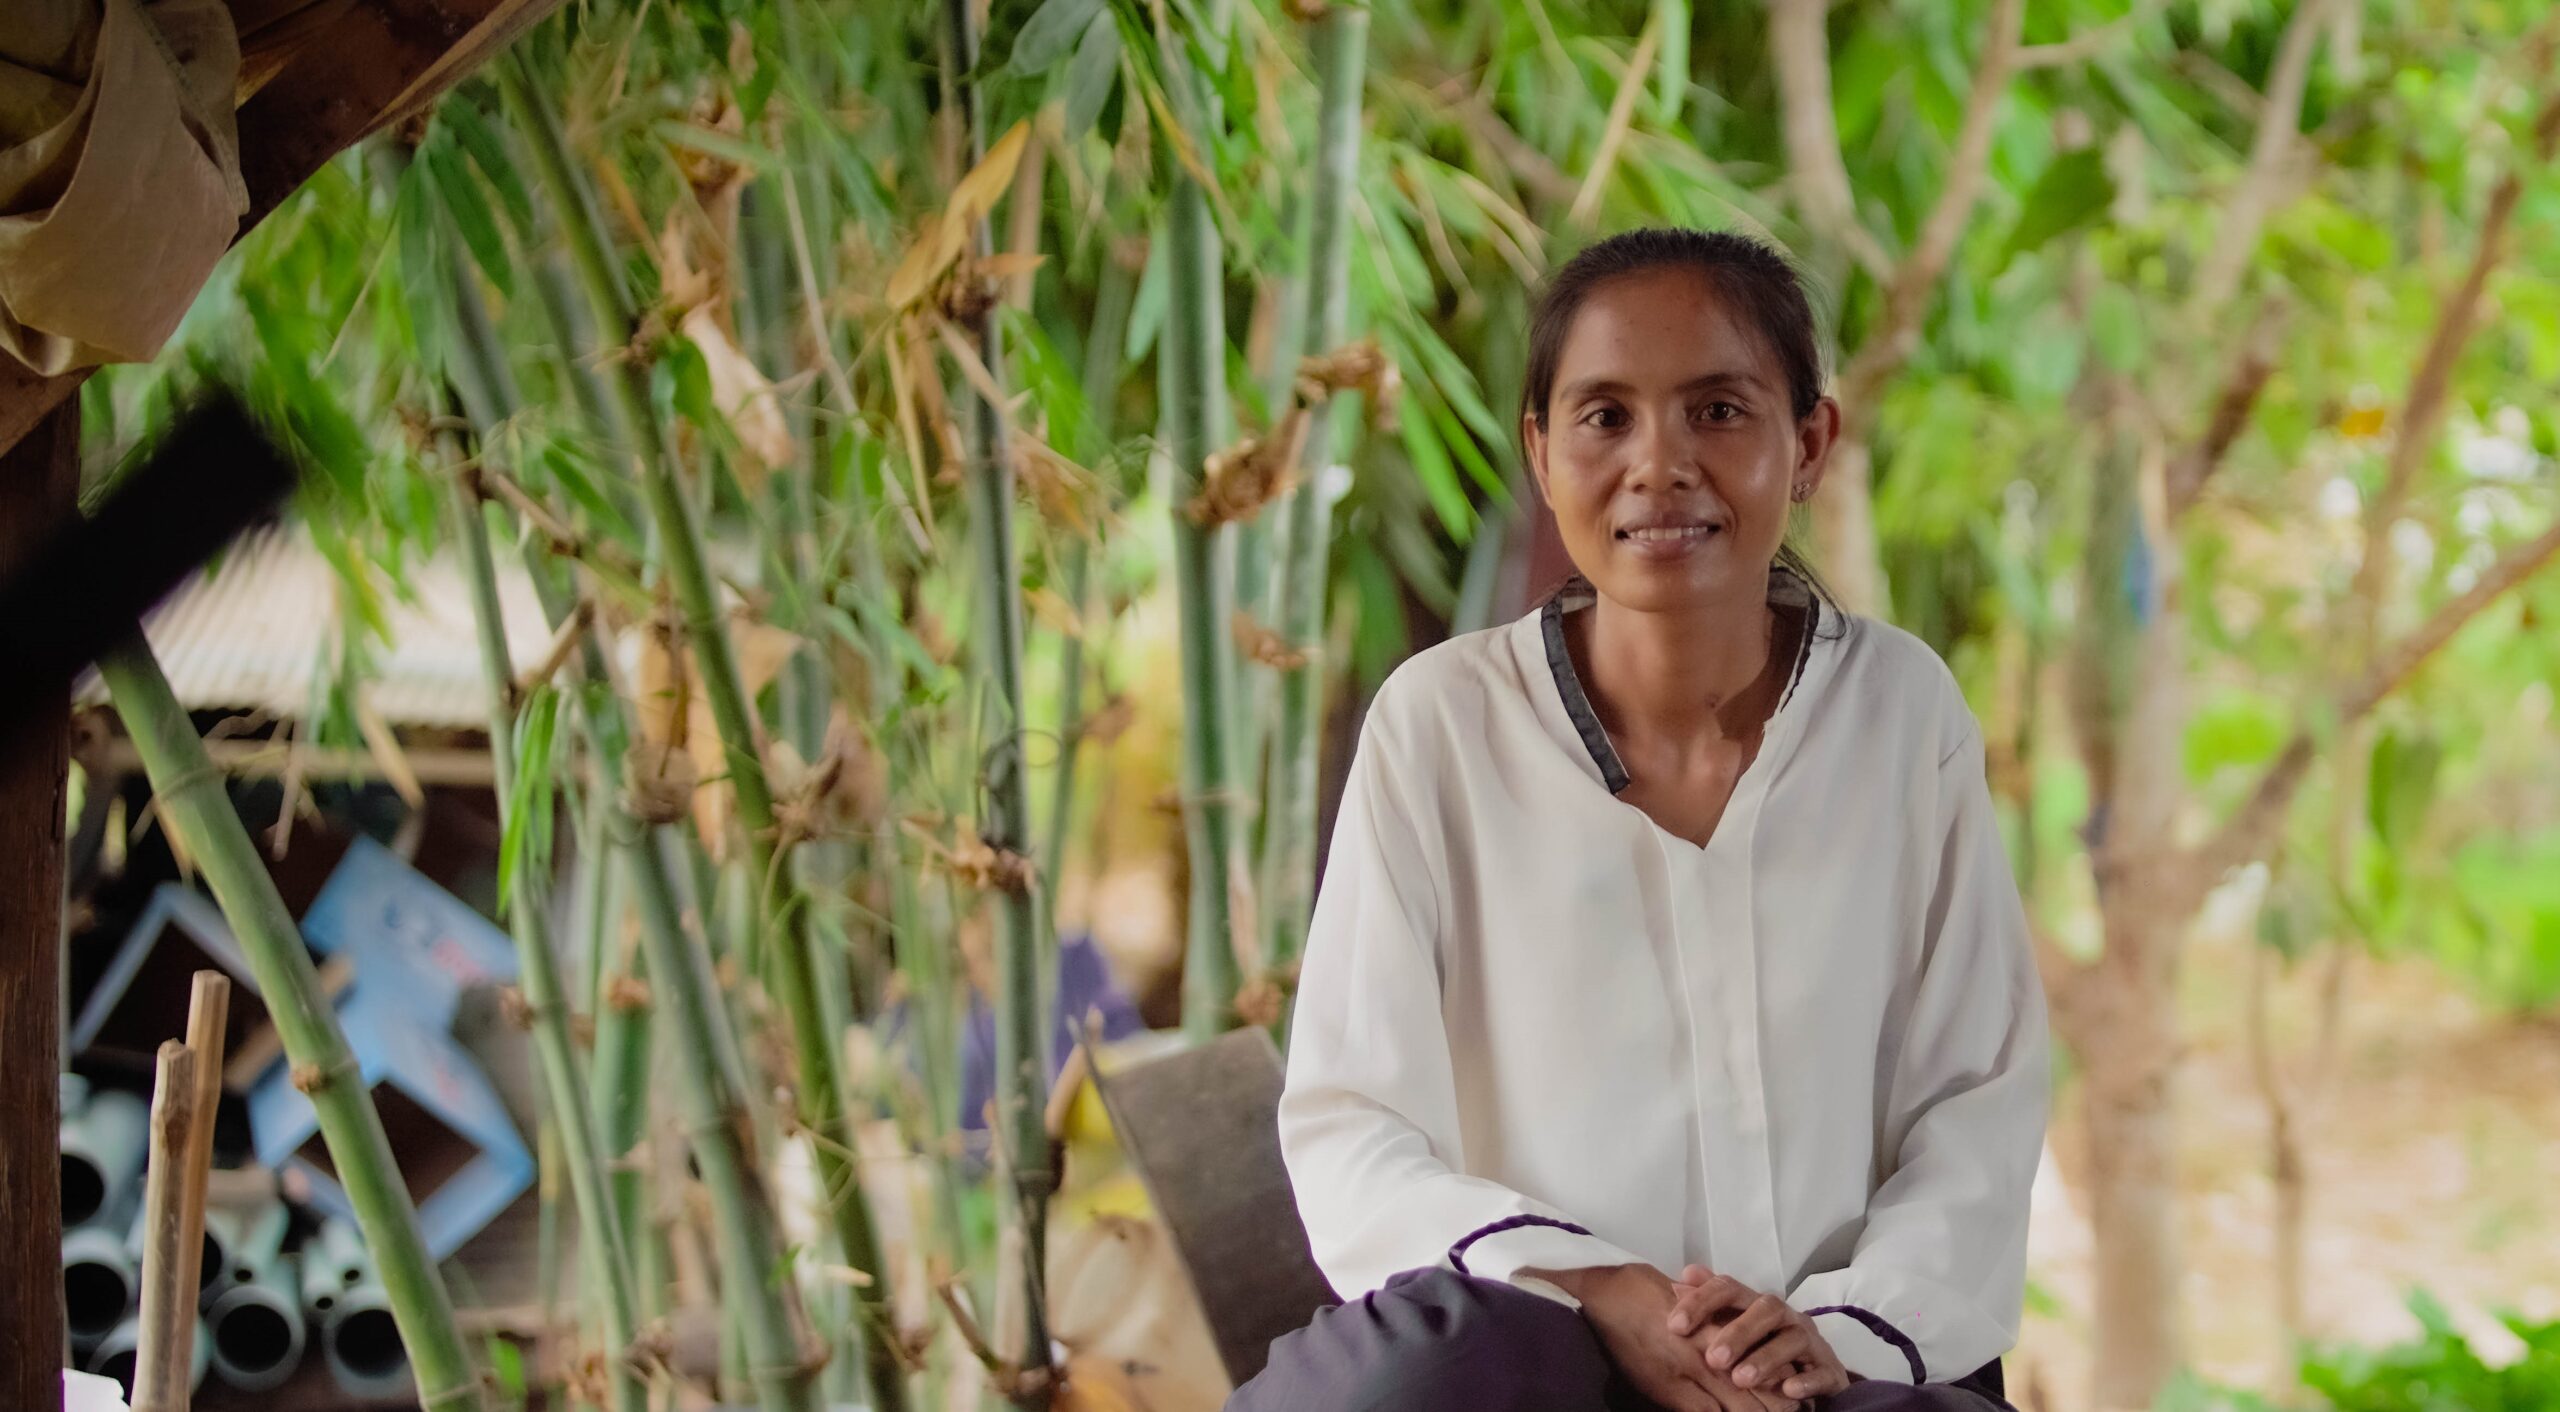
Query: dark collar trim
point(1785, 588)
point(1586, 722)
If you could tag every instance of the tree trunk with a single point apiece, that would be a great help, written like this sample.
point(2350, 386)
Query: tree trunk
point(1845, 552)
point(2128, 1070)
point(39, 481)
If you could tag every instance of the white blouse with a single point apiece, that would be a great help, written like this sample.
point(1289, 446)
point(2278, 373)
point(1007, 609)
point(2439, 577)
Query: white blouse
point(1810, 1055)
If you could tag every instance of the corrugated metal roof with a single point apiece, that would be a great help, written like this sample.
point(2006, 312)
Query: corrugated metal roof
point(259, 629)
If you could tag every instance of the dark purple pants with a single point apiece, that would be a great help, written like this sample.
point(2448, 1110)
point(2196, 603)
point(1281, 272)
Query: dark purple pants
point(1439, 1341)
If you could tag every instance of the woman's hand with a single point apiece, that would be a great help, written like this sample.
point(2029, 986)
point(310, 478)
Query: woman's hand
point(1631, 1308)
point(1759, 1340)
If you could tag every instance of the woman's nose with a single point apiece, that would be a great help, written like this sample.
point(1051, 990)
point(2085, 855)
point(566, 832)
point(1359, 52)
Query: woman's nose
point(1665, 457)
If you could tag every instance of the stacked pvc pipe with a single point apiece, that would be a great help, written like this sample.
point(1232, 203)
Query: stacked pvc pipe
point(99, 1283)
point(256, 1327)
point(105, 1137)
point(114, 1356)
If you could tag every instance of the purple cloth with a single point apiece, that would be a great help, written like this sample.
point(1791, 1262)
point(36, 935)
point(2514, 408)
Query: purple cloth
point(1440, 1341)
point(1085, 986)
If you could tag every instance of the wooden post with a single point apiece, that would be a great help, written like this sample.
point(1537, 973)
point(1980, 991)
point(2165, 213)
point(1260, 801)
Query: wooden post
point(208, 1010)
point(39, 480)
point(160, 1364)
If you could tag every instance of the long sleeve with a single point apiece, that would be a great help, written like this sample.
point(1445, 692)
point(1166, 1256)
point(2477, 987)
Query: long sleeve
point(1934, 1287)
point(1369, 1117)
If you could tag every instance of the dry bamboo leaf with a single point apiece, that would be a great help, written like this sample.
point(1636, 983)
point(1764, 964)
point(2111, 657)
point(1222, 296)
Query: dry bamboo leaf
point(1237, 482)
point(1053, 612)
point(744, 395)
point(1105, 726)
point(977, 193)
point(1264, 645)
point(386, 752)
point(1062, 489)
point(945, 237)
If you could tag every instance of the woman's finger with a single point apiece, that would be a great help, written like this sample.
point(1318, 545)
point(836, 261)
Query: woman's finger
point(1735, 1341)
point(1774, 1358)
point(1697, 1305)
point(1818, 1382)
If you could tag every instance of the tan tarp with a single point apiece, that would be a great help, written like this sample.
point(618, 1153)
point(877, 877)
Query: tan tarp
point(119, 172)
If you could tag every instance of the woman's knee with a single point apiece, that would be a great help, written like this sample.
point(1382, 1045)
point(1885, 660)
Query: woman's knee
point(1434, 1340)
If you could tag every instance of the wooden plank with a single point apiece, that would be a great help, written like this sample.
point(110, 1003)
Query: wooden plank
point(376, 63)
point(1202, 1128)
point(39, 479)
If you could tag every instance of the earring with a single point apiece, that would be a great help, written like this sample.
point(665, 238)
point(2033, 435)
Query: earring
point(1803, 490)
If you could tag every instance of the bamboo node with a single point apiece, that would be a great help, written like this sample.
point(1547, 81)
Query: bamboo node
point(308, 1078)
point(518, 1010)
point(989, 868)
point(1307, 11)
point(1236, 483)
point(627, 994)
point(1265, 998)
point(659, 779)
point(1360, 367)
point(582, 1031)
point(1265, 646)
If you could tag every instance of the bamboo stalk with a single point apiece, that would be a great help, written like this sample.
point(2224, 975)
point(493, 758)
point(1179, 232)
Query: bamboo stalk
point(1193, 367)
point(193, 806)
point(488, 391)
point(1289, 827)
point(546, 1002)
point(1111, 306)
point(161, 1361)
point(1022, 1061)
point(756, 1286)
point(815, 1052)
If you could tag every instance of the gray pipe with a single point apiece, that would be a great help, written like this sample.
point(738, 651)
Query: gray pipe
point(103, 1145)
point(363, 1346)
point(99, 1284)
point(333, 1262)
point(257, 1327)
point(114, 1356)
point(254, 1236)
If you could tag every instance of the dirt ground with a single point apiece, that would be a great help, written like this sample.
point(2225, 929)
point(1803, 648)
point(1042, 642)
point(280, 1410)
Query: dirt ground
point(2435, 1162)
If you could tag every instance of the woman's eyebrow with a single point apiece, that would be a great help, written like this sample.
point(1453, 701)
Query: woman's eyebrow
point(1617, 387)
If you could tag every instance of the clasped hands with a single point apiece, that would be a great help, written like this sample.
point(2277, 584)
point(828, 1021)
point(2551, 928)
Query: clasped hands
point(1704, 1342)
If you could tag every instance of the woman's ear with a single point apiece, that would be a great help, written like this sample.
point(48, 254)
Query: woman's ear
point(1533, 443)
point(1816, 433)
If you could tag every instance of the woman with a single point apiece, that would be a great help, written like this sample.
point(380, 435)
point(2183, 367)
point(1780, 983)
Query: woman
point(1666, 929)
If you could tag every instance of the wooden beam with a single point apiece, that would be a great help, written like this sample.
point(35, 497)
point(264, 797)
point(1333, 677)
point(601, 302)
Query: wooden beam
point(39, 480)
point(373, 65)
point(437, 765)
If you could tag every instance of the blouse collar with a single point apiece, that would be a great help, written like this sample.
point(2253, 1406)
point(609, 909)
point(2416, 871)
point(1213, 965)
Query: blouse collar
point(1787, 589)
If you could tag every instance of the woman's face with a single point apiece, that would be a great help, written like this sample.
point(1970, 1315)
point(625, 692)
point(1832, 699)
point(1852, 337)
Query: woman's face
point(1672, 451)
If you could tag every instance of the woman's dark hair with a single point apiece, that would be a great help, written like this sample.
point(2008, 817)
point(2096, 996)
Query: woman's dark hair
point(1755, 279)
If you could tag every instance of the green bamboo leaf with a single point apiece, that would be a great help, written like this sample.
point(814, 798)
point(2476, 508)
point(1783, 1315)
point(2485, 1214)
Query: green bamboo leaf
point(525, 840)
point(1044, 37)
point(468, 208)
point(1092, 74)
point(488, 151)
point(713, 143)
point(1438, 478)
point(1671, 23)
point(421, 287)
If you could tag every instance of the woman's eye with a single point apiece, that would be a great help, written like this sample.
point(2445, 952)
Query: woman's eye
point(1604, 418)
point(1720, 411)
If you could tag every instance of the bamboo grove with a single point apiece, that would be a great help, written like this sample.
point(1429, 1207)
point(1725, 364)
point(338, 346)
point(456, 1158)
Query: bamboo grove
point(851, 379)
